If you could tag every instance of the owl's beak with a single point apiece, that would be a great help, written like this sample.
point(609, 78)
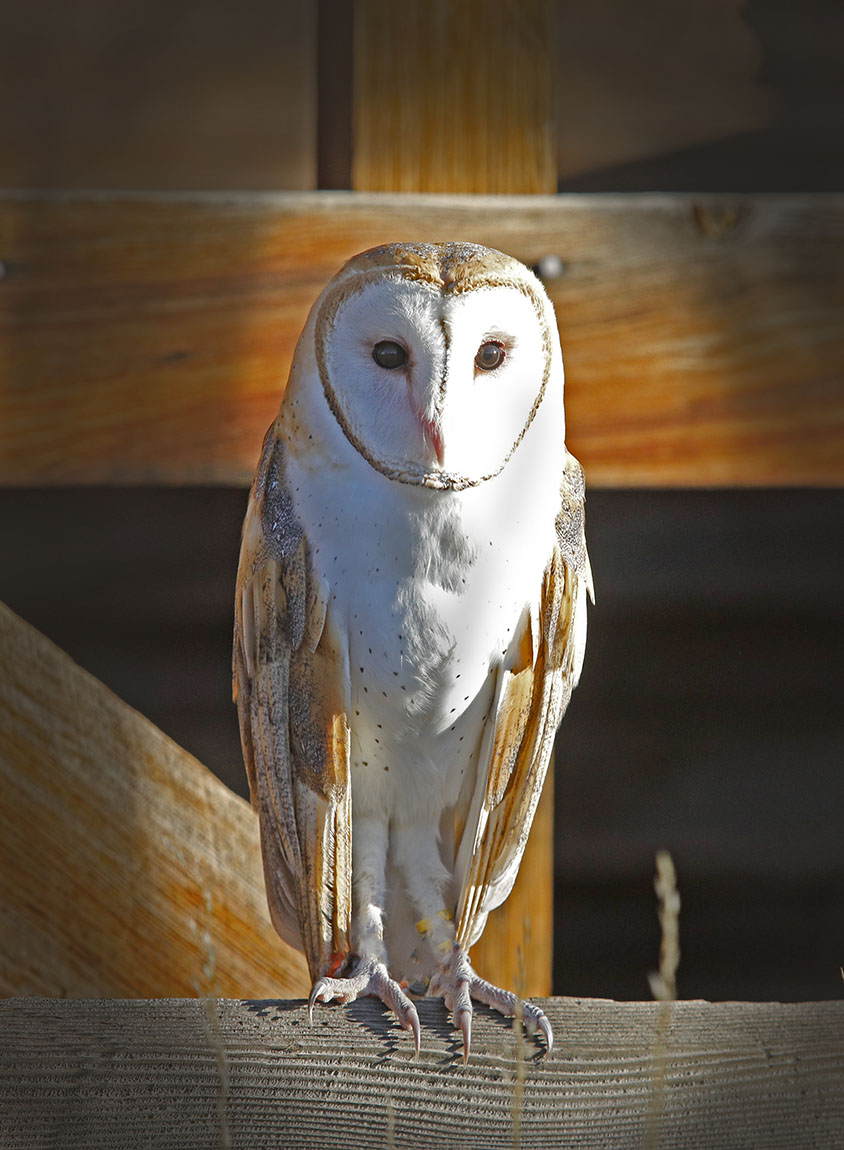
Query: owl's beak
point(433, 438)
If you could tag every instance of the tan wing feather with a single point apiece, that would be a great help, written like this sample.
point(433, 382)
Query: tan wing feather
point(531, 698)
point(291, 685)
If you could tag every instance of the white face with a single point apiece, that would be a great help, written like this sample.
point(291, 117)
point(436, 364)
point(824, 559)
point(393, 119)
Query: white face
point(432, 384)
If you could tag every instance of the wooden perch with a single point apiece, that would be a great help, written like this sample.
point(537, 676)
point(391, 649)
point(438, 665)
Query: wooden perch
point(126, 867)
point(127, 1074)
point(148, 338)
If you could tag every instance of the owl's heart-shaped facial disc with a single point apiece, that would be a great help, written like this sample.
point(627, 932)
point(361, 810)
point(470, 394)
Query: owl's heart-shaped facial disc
point(435, 379)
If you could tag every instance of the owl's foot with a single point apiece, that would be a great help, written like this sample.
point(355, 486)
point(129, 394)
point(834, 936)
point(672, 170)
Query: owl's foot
point(457, 984)
point(370, 977)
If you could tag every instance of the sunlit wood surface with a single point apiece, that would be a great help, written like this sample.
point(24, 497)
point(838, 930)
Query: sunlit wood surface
point(126, 868)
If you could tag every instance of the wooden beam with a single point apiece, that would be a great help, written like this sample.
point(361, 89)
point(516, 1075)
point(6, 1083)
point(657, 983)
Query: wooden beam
point(454, 97)
point(148, 338)
point(726, 1076)
point(126, 867)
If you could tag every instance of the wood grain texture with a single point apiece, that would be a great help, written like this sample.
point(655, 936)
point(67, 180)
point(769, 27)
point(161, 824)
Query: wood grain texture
point(454, 97)
point(126, 868)
point(147, 339)
point(682, 1076)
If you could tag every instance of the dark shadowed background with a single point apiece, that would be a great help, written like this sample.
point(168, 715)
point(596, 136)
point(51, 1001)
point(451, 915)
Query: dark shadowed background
point(709, 719)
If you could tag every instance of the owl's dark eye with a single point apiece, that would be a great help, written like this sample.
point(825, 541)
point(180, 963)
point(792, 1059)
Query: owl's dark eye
point(490, 356)
point(389, 354)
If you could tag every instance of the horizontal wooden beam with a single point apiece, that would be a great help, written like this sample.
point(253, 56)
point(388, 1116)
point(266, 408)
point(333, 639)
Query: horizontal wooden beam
point(126, 868)
point(187, 1073)
point(148, 338)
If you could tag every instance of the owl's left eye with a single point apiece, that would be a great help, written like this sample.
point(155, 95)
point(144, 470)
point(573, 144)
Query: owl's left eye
point(490, 355)
point(389, 354)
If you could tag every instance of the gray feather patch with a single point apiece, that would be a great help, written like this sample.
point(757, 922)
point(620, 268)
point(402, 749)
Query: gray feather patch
point(282, 530)
point(570, 520)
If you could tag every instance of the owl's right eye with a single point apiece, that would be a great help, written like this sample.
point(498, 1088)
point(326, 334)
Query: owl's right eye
point(389, 354)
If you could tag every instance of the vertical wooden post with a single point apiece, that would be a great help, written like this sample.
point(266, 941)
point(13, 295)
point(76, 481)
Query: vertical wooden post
point(453, 96)
point(457, 97)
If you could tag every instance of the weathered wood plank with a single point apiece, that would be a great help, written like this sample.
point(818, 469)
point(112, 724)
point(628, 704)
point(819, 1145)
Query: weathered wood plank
point(725, 1076)
point(126, 868)
point(148, 338)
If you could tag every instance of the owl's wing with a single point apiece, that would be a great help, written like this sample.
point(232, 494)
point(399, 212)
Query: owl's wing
point(532, 692)
point(291, 685)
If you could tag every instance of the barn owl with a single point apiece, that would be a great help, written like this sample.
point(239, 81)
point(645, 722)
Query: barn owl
point(410, 620)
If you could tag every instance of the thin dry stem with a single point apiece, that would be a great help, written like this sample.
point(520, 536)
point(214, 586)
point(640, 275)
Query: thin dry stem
point(663, 983)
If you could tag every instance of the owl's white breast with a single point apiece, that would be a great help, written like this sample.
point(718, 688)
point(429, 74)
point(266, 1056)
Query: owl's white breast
point(429, 587)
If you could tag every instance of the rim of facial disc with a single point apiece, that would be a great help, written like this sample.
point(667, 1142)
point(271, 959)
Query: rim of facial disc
point(403, 472)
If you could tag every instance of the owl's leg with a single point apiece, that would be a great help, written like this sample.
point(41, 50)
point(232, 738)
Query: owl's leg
point(454, 980)
point(368, 974)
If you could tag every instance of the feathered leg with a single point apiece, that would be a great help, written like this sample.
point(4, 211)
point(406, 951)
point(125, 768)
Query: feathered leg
point(367, 972)
point(454, 979)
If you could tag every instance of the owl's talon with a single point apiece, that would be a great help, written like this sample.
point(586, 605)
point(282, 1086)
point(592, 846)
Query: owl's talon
point(412, 1024)
point(316, 991)
point(369, 978)
point(464, 1021)
point(535, 1020)
point(457, 984)
point(545, 1026)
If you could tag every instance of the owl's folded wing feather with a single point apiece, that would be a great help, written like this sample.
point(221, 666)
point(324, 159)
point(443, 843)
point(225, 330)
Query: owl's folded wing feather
point(291, 685)
point(531, 695)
